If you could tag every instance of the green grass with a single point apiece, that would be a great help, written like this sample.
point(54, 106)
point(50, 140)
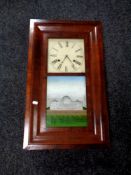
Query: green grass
point(59, 120)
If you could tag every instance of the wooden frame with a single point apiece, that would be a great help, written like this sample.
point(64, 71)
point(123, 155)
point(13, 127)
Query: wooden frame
point(36, 135)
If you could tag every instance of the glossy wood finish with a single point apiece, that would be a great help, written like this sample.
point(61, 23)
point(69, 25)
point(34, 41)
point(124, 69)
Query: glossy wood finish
point(36, 135)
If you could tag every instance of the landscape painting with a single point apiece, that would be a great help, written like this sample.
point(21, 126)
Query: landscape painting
point(66, 104)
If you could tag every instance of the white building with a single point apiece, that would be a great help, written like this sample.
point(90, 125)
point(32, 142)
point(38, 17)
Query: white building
point(66, 103)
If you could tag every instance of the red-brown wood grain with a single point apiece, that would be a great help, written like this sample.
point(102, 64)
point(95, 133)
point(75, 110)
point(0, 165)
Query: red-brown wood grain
point(36, 135)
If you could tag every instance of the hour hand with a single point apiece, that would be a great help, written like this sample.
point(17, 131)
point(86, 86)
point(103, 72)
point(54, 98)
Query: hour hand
point(60, 65)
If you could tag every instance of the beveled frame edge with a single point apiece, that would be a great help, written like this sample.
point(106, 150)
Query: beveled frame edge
point(33, 21)
point(70, 74)
point(32, 146)
point(29, 82)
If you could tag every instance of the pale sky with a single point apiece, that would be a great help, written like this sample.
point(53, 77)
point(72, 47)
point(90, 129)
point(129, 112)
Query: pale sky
point(72, 86)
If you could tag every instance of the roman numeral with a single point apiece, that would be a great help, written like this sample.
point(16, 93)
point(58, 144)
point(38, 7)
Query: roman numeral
point(66, 69)
point(77, 62)
point(55, 61)
point(79, 56)
point(59, 67)
point(60, 44)
point(55, 49)
point(73, 45)
point(73, 66)
point(78, 50)
point(53, 55)
point(67, 44)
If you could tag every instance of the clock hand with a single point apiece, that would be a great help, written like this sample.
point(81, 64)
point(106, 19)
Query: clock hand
point(68, 58)
point(63, 59)
point(73, 66)
point(61, 63)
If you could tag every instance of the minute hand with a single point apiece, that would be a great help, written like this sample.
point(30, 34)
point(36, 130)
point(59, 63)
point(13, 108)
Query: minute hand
point(68, 58)
point(64, 59)
point(71, 63)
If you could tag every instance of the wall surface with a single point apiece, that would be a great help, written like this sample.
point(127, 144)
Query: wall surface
point(14, 27)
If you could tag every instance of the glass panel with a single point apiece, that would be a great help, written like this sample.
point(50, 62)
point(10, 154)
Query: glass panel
point(66, 55)
point(66, 101)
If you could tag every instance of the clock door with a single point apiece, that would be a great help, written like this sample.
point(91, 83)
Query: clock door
point(66, 102)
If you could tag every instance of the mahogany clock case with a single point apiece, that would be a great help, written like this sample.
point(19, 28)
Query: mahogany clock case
point(36, 134)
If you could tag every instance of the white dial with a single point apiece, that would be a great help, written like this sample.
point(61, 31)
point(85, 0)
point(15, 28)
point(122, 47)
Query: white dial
point(66, 55)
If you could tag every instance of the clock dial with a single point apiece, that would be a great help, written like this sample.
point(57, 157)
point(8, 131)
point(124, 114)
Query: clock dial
point(66, 55)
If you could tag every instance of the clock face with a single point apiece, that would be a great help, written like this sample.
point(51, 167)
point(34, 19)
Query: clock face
point(66, 55)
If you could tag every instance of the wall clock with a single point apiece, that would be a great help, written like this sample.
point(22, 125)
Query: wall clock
point(66, 104)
